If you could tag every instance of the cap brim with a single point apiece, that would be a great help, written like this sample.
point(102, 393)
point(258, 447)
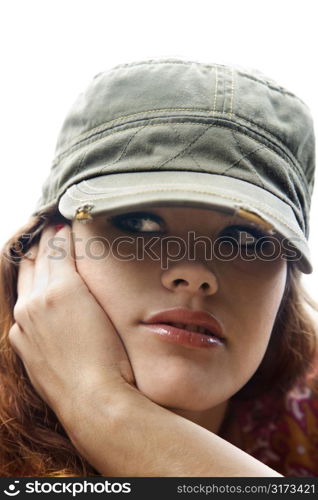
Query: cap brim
point(115, 193)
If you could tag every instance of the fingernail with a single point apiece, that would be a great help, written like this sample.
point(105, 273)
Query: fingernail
point(58, 227)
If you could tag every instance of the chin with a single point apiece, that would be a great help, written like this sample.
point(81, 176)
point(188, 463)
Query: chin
point(172, 396)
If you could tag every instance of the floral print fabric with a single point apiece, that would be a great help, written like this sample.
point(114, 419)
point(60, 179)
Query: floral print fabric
point(283, 434)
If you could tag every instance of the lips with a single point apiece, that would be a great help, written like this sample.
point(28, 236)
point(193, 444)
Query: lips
point(196, 321)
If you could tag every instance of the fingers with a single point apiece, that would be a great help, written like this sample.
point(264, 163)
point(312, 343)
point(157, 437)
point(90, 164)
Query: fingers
point(51, 260)
point(62, 254)
point(41, 268)
point(26, 272)
point(15, 337)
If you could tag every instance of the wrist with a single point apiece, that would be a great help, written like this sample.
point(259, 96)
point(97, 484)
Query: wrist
point(89, 394)
point(117, 432)
point(97, 422)
point(75, 411)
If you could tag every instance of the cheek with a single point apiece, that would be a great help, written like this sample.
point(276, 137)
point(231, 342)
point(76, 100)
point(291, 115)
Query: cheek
point(103, 277)
point(259, 304)
point(271, 290)
point(261, 282)
point(116, 284)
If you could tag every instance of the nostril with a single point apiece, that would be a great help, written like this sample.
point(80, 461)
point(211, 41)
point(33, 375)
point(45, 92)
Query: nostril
point(176, 282)
point(204, 286)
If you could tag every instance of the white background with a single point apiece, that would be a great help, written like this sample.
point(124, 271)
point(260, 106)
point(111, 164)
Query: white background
point(50, 50)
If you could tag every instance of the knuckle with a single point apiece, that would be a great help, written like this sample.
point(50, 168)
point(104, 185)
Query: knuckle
point(31, 253)
point(57, 247)
point(14, 333)
point(19, 311)
point(26, 309)
point(33, 304)
point(55, 294)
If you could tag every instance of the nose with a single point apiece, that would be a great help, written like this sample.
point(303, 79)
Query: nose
point(194, 278)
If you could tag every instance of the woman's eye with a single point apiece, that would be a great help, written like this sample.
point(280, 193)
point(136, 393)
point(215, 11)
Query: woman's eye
point(243, 236)
point(138, 222)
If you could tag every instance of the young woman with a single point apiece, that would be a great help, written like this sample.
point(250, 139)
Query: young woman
point(153, 320)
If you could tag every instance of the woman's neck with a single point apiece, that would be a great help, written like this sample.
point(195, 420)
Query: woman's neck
point(211, 419)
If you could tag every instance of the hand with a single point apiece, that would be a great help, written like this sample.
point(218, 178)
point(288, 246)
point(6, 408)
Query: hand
point(63, 336)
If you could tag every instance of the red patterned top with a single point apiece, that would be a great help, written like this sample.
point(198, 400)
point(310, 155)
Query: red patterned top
point(282, 434)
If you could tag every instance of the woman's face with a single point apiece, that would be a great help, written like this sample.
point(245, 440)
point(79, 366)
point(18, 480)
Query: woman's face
point(133, 275)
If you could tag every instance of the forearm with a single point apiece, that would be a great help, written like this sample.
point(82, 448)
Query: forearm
point(131, 436)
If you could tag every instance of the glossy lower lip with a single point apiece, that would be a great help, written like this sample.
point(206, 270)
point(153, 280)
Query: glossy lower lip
point(176, 335)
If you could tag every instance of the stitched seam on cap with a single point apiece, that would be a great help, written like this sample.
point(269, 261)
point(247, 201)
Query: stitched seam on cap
point(161, 124)
point(77, 145)
point(185, 148)
point(238, 200)
point(232, 94)
point(293, 164)
point(215, 90)
point(240, 71)
point(124, 150)
point(103, 127)
point(245, 155)
point(190, 153)
point(109, 124)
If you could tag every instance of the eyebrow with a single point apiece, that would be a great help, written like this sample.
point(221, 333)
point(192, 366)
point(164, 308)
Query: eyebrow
point(245, 214)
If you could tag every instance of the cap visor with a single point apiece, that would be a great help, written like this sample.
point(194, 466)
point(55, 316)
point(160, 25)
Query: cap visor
point(115, 193)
